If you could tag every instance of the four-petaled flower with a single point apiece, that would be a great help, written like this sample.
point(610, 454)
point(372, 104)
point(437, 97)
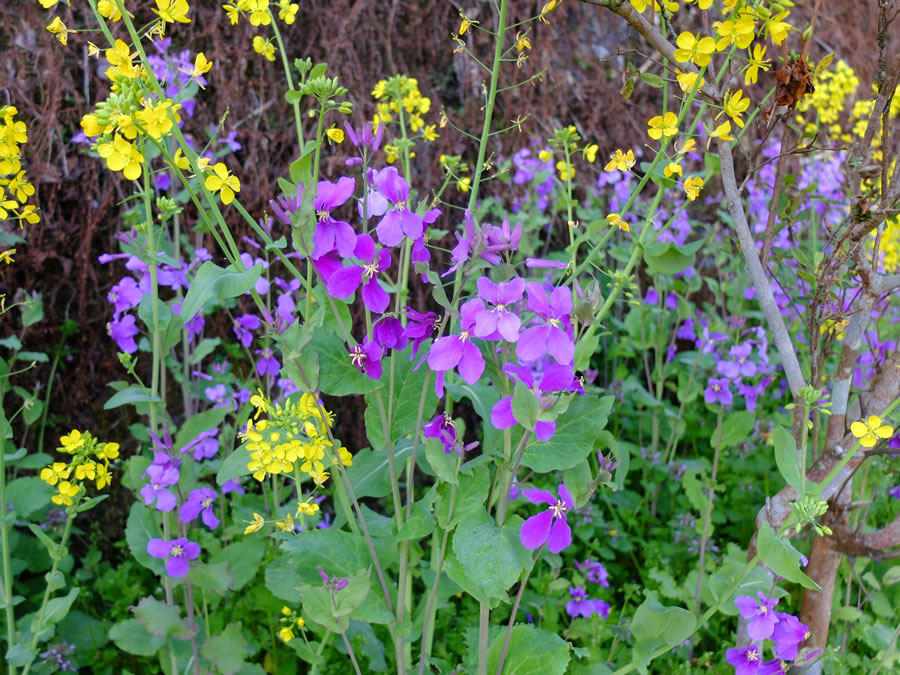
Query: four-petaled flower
point(581, 605)
point(555, 336)
point(550, 525)
point(223, 182)
point(343, 282)
point(499, 320)
point(660, 126)
point(177, 553)
point(451, 351)
point(745, 661)
point(200, 502)
point(693, 48)
point(868, 431)
point(619, 161)
point(330, 233)
point(718, 391)
point(760, 613)
point(391, 190)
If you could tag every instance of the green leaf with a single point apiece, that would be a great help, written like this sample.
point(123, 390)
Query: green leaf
point(470, 497)
point(227, 650)
point(234, 466)
point(525, 406)
point(531, 651)
point(409, 391)
point(197, 424)
point(140, 529)
point(28, 495)
point(665, 257)
point(161, 619)
point(131, 395)
point(735, 429)
point(786, 457)
point(51, 546)
point(317, 607)
point(488, 558)
point(483, 398)
point(132, 637)
point(442, 463)
point(294, 339)
point(56, 610)
point(574, 437)
point(337, 374)
point(578, 479)
point(891, 577)
point(243, 558)
point(653, 80)
point(781, 557)
point(19, 655)
point(655, 625)
point(352, 595)
point(421, 521)
point(726, 575)
point(215, 578)
point(370, 475)
point(216, 283)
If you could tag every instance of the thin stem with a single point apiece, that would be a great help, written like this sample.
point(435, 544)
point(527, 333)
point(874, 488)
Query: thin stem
point(515, 609)
point(707, 516)
point(4, 540)
point(290, 80)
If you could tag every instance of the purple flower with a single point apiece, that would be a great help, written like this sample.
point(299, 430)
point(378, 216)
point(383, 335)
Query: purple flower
point(581, 605)
point(419, 328)
point(216, 393)
point(550, 525)
point(788, 634)
point(232, 485)
point(458, 350)
point(346, 280)
point(330, 233)
point(740, 365)
point(123, 331)
point(242, 327)
point(441, 427)
point(399, 220)
point(894, 492)
point(460, 253)
point(160, 474)
point(285, 207)
point(762, 617)
point(334, 583)
point(555, 378)
point(365, 136)
point(367, 358)
point(389, 333)
point(200, 501)
point(490, 322)
point(267, 364)
point(176, 553)
point(774, 667)
point(717, 391)
point(594, 571)
point(125, 295)
point(502, 238)
point(745, 661)
point(555, 336)
point(205, 446)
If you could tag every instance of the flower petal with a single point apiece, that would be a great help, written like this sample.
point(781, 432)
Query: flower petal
point(535, 530)
point(560, 536)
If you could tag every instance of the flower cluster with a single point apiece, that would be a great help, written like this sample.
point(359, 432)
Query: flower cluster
point(399, 97)
point(90, 462)
point(15, 189)
point(785, 630)
point(289, 621)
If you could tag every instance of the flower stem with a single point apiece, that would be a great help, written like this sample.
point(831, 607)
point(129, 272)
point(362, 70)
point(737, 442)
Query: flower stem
point(515, 609)
point(4, 540)
point(704, 536)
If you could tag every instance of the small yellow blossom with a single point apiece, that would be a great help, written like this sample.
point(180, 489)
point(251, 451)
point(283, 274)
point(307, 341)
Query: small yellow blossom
point(226, 184)
point(71, 441)
point(55, 472)
point(7, 256)
point(430, 132)
point(660, 126)
point(120, 155)
point(286, 634)
point(264, 47)
point(735, 106)
point(307, 508)
point(868, 431)
point(566, 170)
point(109, 10)
point(620, 161)
point(590, 152)
point(172, 11)
point(87, 470)
point(672, 168)
point(692, 187)
point(465, 24)
point(615, 220)
point(334, 134)
point(756, 63)
point(255, 524)
point(58, 28)
point(287, 11)
point(345, 457)
point(286, 525)
point(686, 81)
point(739, 33)
point(259, 14)
point(522, 42)
point(464, 184)
point(720, 132)
point(689, 146)
point(546, 9)
point(776, 28)
point(67, 490)
point(201, 66)
point(695, 49)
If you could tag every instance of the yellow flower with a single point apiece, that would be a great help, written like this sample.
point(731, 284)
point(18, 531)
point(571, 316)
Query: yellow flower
point(258, 400)
point(590, 152)
point(757, 61)
point(615, 220)
point(121, 60)
point(378, 91)
point(464, 184)
point(47, 4)
point(72, 441)
point(120, 155)
point(103, 477)
point(686, 81)
point(546, 9)
point(522, 42)
point(259, 15)
point(430, 132)
point(287, 11)
point(689, 146)
point(201, 67)
point(702, 4)
point(319, 477)
point(464, 25)
point(738, 32)
point(692, 187)
point(108, 451)
point(7, 256)
point(301, 622)
point(286, 634)
point(660, 126)
point(172, 11)
point(735, 106)
point(776, 28)
point(619, 161)
point(721, 132)
point(255, 524)
point(345, 456)
point(86, 470)
point(55, 472)
point(109, 10)
point(695, 49)
point(226, 184)
point(566, 170)
point(868, 431)
point(20, 188)
point(58, 28)
point(307, 508)
point(671, 169)
point(66, 491)
point(29, 215)
point(264, 47)
point(334, 134)
point(286, 525)
point(155, 119)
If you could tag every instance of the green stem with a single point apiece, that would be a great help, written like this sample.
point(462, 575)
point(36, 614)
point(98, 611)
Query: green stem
point(298, 120)
point(46, 409)
point(707, 516)
point(4, 539)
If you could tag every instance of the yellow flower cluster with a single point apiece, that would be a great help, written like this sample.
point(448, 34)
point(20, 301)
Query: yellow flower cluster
point(257, 12)
point(834, 90)
point(295, 433)
point(397, 91)
point(289, 620)
point(14, 186)
point(90, 462)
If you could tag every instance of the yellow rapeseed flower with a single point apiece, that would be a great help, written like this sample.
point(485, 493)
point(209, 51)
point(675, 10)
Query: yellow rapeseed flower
point(692, 187)
point(735, 106)
point(686, 81)
point(620, 161)
point(67, 490)
point(692, 48)
point(120, 155)
point(662, 125)
point(255, 524)
point(868, 431)
point(7, 256)
point(756, 62)
point(287, 11)
point(615, 220)
point(225, 183)
point(671, 169)
point(109, 10)
point(172, 11)
point(740, 32)
point(465, 24)
point(264, 47)
point(58, 28)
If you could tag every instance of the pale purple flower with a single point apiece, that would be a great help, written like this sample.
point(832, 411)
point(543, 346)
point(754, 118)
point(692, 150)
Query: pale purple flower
point(345, 281)
point(745, 661)
point(581, 605)
point(499, 322)
point(458, 350)
point(399, 220)
point(158, 492)
point(367, 358)
point(267, 364)
point(502, 238)
point(555, 336)
point(233, 485)
point(200, 503)
point(774, 667)
point(419, 328)
point(441, 427)
point(788, 633)
point(285, 207)
point(215, 394)
point(125, 295)
point(205, 446)
point(740, 365)
point(334, 583)
point(177, 553)
point(242, 327)
point(594, 571)
point(548, 526)
point(555, 378)
point(718, 391)
point(460, 253)
point(123, 331)
point(760, 613)
point(330, 233)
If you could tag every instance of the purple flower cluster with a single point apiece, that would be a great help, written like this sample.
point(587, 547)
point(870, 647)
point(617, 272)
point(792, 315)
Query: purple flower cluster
point(537, 174)
point(745, 369)
point(785, 630)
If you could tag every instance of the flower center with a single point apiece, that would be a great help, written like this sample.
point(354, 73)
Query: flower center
point(500, 307)
point(322, 215)
point(752, 656)
point(555, 322)
point(464, 336)
point(357, 356)
point(370, 270)
point(559, 510)
point(177, 550)
point(206, 502)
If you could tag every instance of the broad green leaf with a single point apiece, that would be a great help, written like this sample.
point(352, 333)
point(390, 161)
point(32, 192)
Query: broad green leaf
point(352, 595)
point(197, 424)
point(58, 608)
point(531, 651)
point(578, 479)
point(317, 607)
point(213, 577)
point(653, 80)
point(665, 257)
point(781, 557)
point(131, 395)
point(19, 655)
point(227, 650)
point(735, 429)
point(132, 637)
point(216, 283)
point(234, 466)
point(28, 495)
point(574, 437)
point(786, 457)
point(161, 619)
point(243, 558)
point(489, 559)
point(730, 570)
point(525, 406)
point(370, 475)
point(421, 521)
point(294, 339)
point(140, 529)
point(442, 463)
point(337, 374)
point(470, 497)
point(483, 398)
point(655, 625)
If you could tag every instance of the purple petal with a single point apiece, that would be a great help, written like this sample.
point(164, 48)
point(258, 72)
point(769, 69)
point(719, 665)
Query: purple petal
point(389, 229)
point(566, 496)
point(536, 496)
point(323, 239)
point(508, 326)
point(445, 353)
point(365, 248)
point(331, 195)
point(471, 364)
point(165, 500)
point(544, 430)
point(501, 414)
point(209, 519)
point(158, 548)
point(413, 227)
point(532, 343)
point(177, 566)
point(191, 549)
point(556, 378)
point(560, 536)
point(559, 345)
point(537, 299)
point(486, 324)
point(747, 606)
point(344, 238)
point(374, 296)
point(189, 511)
point(343, 283)
point(488, 290)
point(534, 531)
point(561, 302)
